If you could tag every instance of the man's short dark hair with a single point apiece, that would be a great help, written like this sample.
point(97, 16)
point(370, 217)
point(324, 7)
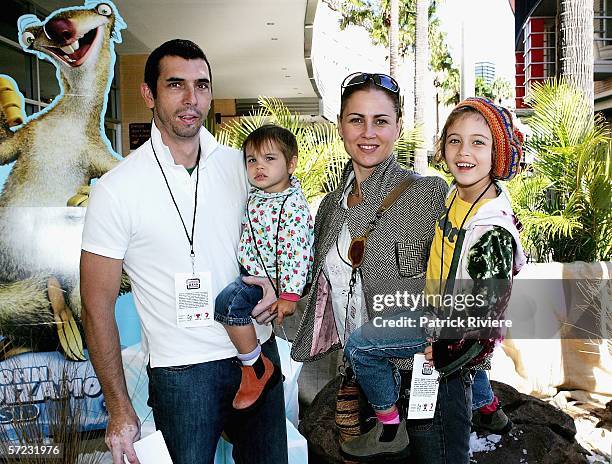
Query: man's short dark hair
point(182, 48)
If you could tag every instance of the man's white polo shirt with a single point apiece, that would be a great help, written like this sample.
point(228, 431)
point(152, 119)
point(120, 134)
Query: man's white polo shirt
point(131, 216)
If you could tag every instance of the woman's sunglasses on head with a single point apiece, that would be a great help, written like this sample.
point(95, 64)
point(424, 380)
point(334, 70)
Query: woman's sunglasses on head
point(381, 80)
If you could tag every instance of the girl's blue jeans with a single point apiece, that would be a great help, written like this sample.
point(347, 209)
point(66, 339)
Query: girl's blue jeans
point(369, 350)
point(482, 394)
point(441, 440)
point(235, 303)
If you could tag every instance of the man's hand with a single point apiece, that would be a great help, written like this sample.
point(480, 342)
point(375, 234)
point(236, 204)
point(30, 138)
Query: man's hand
point(121, 433)
point(261, 312)
point(283, 308)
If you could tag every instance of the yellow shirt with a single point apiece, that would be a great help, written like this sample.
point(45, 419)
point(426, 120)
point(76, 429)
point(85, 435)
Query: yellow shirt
point(457, 213)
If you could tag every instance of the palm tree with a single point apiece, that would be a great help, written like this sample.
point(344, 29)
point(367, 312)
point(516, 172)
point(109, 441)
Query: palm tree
point(501, 89)
point(420, 71)
point(576, 17)
point(394, 38)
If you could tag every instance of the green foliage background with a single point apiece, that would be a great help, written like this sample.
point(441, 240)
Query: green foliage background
point(322, 157)
point(563, 200)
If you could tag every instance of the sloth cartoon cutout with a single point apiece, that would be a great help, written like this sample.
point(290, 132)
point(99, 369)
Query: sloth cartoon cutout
point(51, 158)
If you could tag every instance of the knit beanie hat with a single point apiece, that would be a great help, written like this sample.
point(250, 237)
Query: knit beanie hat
point(507, 139)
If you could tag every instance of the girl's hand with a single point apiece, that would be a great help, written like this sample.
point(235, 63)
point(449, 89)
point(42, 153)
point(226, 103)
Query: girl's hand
point(262, 312)
point(429, 354)
point(284, 308)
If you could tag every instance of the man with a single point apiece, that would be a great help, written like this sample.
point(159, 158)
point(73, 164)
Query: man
point(169, 214)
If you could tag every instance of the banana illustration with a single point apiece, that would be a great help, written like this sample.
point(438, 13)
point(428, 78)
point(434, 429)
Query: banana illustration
point(10, 102)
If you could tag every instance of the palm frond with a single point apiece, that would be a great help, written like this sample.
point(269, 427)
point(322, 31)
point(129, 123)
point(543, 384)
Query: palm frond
point(406, 144)
point(552, 225)
point(563, 117)
point(528, 192)
point(235, 131)
point(279, 113)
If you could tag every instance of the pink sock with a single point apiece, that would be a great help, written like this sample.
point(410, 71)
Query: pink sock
point(388, 417)
point(490, 408)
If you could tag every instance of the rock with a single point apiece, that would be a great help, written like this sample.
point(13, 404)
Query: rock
point(542, 434)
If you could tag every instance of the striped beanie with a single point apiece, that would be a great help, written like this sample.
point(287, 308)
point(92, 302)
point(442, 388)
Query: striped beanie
point(507, 140)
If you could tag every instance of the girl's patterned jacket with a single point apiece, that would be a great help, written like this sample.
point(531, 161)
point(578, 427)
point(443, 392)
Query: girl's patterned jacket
point(488, 254)
point(288, 245)
point(494, 218)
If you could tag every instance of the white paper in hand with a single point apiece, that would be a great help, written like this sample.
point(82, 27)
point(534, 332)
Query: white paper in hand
point(152, 449)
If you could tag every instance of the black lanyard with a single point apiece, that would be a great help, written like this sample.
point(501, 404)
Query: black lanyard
point(195, 205)
point(263, 263)
point(460, 227)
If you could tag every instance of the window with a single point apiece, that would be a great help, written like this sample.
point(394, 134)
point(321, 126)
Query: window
point(603, 22)
point(49, 87)
point(11, 11)
point(112, 105)
point(19, 66)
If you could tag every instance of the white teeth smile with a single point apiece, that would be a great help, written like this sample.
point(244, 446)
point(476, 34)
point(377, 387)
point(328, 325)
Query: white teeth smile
point(70, 49)
point(368, 147)
point(465, 165)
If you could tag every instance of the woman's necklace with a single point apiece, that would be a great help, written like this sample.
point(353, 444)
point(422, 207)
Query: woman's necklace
point(355, 192)
point(355, 196)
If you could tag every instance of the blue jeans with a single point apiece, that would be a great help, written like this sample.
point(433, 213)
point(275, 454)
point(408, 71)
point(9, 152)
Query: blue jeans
point(445, 439)
point(192, 405)
point(482, 394)
point(235, 303)
point(369, 350)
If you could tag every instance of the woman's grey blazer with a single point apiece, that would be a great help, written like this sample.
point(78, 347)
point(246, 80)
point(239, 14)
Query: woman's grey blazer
point(397, 250)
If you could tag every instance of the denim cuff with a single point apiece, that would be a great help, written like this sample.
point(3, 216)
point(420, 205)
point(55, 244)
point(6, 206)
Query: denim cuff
point(482, 403)
point(232, 321)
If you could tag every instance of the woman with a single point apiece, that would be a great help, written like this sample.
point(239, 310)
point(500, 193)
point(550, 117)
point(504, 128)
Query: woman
point(394, 258)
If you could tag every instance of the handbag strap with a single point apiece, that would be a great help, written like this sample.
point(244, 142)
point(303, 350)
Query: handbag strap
point(390, 199)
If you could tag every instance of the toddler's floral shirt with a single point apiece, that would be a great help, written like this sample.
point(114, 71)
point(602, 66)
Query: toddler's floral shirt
point(289, 244)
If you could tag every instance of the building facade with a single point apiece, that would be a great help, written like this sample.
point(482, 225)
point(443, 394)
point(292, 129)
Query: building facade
point(485, 70)
point(537, 41)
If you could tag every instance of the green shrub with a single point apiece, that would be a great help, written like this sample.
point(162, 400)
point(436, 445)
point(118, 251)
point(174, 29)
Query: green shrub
point(563, 200)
